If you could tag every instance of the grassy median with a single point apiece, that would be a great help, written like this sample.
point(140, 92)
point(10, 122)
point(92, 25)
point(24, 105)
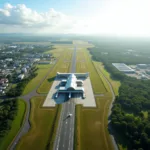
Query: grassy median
point(91, 126)
point(85, 64)
point(16, 124)
point(41, 120)
point(115, 84)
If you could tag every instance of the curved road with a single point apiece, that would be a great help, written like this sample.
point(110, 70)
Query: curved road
point(26, 126)
point(110, 107)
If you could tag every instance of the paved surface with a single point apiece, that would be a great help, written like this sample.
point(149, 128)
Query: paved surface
point(73, 66)
point(65, 131)
point(88, 101)
point(50, 99)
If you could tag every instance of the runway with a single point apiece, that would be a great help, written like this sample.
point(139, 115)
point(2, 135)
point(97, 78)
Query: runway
point(65, 132)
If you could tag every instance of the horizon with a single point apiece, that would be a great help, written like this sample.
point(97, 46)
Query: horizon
point(108, 18)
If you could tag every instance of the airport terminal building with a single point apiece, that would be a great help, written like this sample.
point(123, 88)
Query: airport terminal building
point(71, 84)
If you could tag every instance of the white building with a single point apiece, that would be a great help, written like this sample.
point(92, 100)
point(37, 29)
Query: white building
point(21, 76)
point(142, 66)
point(72, 84)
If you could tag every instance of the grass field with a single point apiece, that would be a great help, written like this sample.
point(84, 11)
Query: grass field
point(16, 124)
point(42, 71)
point(52, 139)
point(91, 123)
point(91, 126)
point(41, 120)
point(85, 64)
point(56, 51)
point(63, 65)
point(115, 84)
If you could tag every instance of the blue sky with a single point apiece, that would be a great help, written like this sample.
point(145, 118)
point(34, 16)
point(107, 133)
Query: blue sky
point(73, 7)
point(108, 17)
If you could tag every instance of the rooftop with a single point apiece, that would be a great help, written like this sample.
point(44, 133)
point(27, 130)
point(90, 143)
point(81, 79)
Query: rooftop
point(123, 67)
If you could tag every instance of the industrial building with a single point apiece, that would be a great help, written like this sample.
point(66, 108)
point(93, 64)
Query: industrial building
point(142, 66)
point(123, 67)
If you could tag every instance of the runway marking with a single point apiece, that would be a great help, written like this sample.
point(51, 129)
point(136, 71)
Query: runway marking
point(69, 145)
point(66, 122)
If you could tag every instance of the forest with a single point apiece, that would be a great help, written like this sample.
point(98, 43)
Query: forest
point(121, 51)
point(8, 110)
point(130, 117)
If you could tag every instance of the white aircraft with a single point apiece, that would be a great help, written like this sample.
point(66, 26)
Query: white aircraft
point(69, 115)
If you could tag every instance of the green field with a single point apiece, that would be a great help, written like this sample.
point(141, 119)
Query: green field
point(42, 71)
point(56, 51)
point(85, 64)
point(92, 126)
point(115, 84)
point(16, 124)
point(91, 123)
point(63, 65)
point(41, 120)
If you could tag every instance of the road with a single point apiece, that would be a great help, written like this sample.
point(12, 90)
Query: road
point(110, 108)
point(26, 126)
point(65, 131)
point(73, 65)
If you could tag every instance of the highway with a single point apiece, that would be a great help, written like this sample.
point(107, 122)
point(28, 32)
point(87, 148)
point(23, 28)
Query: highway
point(65, 131)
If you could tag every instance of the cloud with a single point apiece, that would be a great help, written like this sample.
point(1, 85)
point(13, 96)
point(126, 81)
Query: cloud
point(25, 17)
point(115, 17)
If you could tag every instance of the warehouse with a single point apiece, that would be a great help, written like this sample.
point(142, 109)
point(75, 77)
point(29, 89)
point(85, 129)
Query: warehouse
point(123, 67)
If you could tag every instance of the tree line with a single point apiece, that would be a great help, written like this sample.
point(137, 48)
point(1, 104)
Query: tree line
point(128, 119)
point(115, 55)
point(8, 110)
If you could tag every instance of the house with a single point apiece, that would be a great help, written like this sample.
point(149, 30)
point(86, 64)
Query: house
point(21, 76)
point(5, 80)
